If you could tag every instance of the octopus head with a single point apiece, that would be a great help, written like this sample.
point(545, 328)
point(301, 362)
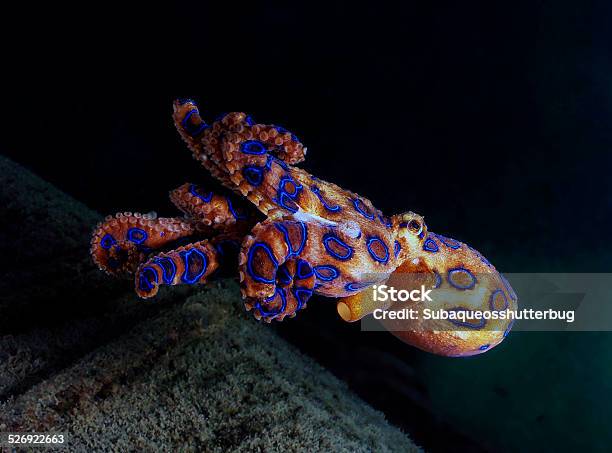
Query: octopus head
point(472, 297)
point(462, 285)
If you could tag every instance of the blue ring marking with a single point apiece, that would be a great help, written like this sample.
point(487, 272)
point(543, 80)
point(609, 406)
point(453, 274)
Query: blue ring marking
point(462, 270)
point(297, 292)
point(331, 237)
point(107, 241)
point(291, 251)
point(430, 245)
point(249, 120)
point(438, 280)
point(186, 259)
point(484, 347)
point(193, 190)
point(385, 258)
point(144, 284)
point(254, 276)
point(168, 269)
point(509, 288)
point(334, 273)
point(283, 186)
point(287, 202)
point(286, 199)
point(269, 160)
point(283, 276)
point(297, 186)
point(253, 174)
point(282, 308)
point(189, 128)
point(492, 300)
point(367, 215)
point(317, 192)
point(357, 286)
point(282, 130)
point(303, 270)
point(508, 329)
point(137, 235)
point(188, 117)
point(397, 248)
point(236, 215)
point(457, 322)
point(253, 147)
point(451, 243)
point(385, 221)
point(280, 163)
point(199, 130)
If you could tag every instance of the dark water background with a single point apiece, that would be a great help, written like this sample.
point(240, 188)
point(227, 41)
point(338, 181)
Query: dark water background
point(490, 119)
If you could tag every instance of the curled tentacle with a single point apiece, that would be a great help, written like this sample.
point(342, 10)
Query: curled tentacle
point(234, 142)
point(208, 208)
point(120, 242)
point(203, 140)
point(276, 280)
point(188, 265)
point(255, 138)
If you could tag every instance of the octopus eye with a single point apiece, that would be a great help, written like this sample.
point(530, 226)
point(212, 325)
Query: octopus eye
point(415, 226)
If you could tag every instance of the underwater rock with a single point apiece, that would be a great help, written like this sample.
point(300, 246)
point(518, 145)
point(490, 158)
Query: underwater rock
point(42, 235)
point(191, 371)
point(55, 306)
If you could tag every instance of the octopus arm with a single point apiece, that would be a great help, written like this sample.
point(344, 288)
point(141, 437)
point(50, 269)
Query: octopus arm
point(209, 209)
point(121, 242)
point(276, 276)
point(188, 265)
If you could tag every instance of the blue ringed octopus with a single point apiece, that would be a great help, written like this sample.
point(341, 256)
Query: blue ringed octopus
point(305, 236)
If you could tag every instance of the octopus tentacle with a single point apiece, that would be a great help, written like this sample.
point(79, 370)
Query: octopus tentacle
point(208, 208)
point(188, 265)
point(353, 308)
point(276, 279)
point(122, 241)
point(211, 143)
point(202, 139)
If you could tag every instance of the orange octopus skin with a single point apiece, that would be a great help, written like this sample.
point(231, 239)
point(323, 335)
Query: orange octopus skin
point(315, 238)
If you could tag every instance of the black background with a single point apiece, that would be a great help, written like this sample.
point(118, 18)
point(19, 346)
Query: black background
point(491, 119)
